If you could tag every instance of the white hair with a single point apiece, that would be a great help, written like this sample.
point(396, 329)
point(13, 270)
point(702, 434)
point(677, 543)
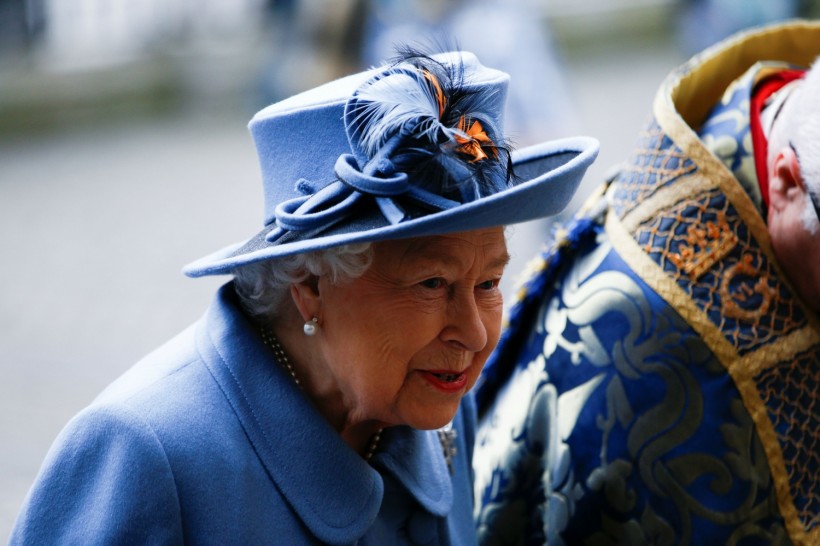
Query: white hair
point(801, 129)
point(263, 286)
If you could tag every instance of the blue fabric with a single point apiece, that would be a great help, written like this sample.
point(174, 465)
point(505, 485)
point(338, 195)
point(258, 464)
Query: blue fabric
point(615, 424)
point(502, 362)
point(611, 411)
point(726, 133)
point(207, 441)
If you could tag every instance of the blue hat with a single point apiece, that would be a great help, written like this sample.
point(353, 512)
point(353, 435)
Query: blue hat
point(410, 149)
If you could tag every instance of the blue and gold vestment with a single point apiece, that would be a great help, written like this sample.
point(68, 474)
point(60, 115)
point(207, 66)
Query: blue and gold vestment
point(658, 379)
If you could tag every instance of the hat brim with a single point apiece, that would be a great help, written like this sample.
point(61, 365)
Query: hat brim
point(550, 173)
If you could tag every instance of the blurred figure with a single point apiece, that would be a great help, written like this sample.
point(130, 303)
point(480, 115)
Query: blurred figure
point(12, 25)
point(539, 105)
point(657, 383)
point(703, 23)
point(309, 42)
point(21, 23)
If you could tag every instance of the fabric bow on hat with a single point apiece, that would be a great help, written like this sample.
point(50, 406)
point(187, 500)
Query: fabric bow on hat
point(411, 149)
point(420, 139)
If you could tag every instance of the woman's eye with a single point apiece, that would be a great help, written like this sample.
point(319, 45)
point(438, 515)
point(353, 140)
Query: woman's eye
point(434, 283)
point(488, 285)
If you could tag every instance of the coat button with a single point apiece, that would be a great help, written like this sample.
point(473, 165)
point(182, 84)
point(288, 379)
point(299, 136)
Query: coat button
point(422, 528)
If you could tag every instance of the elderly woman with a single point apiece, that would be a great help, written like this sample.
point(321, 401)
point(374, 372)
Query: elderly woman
point(323, 396)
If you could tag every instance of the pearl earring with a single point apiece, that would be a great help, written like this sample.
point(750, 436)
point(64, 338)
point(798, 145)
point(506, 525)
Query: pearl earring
point(311, 327)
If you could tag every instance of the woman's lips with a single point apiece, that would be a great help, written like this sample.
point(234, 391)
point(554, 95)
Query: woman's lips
point(445, 380)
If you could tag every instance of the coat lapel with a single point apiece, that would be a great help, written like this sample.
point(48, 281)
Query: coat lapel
point(415, 459)
point(330, 488)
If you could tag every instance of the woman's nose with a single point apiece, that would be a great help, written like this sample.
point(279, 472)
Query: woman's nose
point(465, 323)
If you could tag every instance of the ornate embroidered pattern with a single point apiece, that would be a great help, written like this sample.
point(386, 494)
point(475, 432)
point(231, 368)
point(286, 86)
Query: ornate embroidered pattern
point(710, 253)
point(619, 427)
point(704, 246)
point(655, 163)
point(660, 373)
point(789, 391)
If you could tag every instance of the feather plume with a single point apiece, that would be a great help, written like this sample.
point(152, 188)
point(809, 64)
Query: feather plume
point(442, 131)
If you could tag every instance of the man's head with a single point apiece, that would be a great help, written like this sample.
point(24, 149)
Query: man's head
point(794, 187)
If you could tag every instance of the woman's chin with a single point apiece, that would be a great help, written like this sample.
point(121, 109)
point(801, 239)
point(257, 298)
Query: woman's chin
point(433, 419)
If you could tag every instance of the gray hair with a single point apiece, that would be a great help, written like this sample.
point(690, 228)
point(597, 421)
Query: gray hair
point(263, 286)
point(801, 129)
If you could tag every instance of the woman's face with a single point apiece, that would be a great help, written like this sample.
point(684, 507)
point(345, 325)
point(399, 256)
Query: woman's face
point(405, 341)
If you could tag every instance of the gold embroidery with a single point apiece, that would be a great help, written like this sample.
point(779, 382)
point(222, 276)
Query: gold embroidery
point(788, 391)
point(733, 302)
point(704, 246)
point(652, 166)
point(764, 343)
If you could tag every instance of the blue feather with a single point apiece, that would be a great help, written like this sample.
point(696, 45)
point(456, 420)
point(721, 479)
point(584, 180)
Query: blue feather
point(398, 102)
point(401, 106)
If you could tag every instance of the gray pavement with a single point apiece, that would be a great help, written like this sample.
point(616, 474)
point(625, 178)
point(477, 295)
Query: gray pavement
point(95, 224)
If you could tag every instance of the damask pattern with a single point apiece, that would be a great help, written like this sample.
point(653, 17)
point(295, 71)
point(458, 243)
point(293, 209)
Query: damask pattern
point(726, 134)
point(702, 243)
point(789, 391)
point(619, 427)
point(607, 418)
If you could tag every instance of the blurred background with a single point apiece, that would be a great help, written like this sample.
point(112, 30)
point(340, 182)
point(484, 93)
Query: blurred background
point(124, 152)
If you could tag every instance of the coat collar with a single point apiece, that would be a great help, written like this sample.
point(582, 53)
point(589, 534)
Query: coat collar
point(415, 459)
point(337, 496)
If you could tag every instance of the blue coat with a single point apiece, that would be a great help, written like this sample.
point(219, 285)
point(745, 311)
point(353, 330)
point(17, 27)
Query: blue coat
point(207, 441)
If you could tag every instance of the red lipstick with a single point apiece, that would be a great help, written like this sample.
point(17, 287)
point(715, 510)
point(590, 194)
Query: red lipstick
point(445, 380)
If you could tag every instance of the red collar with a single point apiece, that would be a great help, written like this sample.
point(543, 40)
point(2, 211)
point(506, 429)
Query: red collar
point(762, 91)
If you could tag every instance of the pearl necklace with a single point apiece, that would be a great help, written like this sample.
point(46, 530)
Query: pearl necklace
point(270, 340)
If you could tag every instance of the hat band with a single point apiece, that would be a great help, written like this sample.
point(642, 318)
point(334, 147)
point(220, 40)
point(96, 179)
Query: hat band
point(338, 200)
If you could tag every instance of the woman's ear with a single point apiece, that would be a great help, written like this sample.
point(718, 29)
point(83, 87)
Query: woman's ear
point(306, 297)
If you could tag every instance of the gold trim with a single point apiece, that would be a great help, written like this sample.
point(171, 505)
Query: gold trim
point(682, 102)
point(700, 83)
point(669, 290)
point(680, 107)
point(688, 93)
point(710, 166)
point(751, 365)
point(666, 197)
point(666, 287)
